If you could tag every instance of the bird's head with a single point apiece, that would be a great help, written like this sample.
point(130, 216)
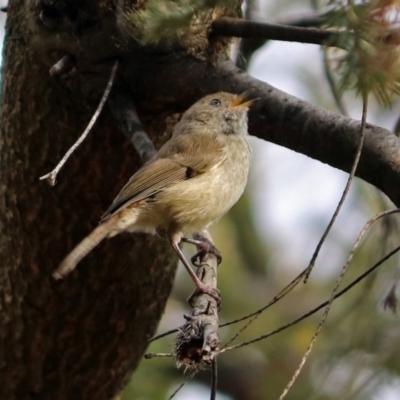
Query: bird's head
point(223, 112)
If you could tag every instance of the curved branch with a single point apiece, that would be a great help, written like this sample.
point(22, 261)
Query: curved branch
point(318, 133)
point(280, 118)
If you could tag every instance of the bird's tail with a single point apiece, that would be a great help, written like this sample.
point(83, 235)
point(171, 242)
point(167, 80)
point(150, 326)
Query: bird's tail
point(82, 249)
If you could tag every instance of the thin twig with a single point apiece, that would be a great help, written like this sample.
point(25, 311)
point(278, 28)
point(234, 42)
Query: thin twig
point(344, 194)
point(189, 378)
point(344, 269)
point(161, 335)
point(316, 309)
point(214, 380)
point(52, 176)
point(286, 290)
point(177, 390)
point(149, 356)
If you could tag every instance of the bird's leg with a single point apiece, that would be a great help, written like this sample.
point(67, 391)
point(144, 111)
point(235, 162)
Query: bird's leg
point(205, 247)
point(200, 286)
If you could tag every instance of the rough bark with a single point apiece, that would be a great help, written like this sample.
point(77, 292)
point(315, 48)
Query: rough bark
point(81, 338)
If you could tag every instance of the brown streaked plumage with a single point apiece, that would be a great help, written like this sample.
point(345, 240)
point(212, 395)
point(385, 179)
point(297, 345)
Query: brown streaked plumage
point(195, 178)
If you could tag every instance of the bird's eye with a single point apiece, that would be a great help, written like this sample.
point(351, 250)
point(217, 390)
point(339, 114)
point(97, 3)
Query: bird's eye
point(215, 102)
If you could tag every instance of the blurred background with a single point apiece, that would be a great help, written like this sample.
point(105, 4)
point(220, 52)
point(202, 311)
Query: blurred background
point(269, 238)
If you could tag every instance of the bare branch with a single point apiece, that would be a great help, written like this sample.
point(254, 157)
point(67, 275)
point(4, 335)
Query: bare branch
point(197, 343)
point(344, 194)
point(345, 267)
point(318, 132)
point(52, 176)
point(161, 335)
point(148, 356)
point(124, 110)
point(214, 380)
point(356, 244)
point(189, 378)
point(250, 29)
point(321, 306)
point(253, 316)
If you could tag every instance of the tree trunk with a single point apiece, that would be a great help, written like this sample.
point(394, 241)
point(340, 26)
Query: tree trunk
point(79, 338)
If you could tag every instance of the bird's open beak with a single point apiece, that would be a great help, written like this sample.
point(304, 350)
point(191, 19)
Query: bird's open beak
point(241, 101)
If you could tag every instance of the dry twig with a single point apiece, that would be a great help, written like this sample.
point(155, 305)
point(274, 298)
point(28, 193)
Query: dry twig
point(344, 194)
point(345, 267)
point(316, 309)
point(52, 176)
point(197, 343)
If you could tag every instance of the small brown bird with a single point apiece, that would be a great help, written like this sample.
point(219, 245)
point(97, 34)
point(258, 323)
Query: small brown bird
point(195, 178)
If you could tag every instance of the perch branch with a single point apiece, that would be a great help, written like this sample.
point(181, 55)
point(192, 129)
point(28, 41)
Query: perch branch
point(197, 342)
point(52, 176)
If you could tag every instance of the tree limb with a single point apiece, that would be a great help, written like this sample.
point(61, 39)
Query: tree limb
point(279, 117)
point(320, 134)
point(197, 342)
point(235, 27)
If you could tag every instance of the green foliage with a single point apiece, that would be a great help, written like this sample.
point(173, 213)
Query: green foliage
point(371, 60)
point(163, 18)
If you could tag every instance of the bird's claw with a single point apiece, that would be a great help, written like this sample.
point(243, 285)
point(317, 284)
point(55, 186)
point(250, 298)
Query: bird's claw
point(206, 247)
point(205, 289)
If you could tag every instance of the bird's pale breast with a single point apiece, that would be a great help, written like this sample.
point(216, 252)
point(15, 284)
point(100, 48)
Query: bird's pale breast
point(194, 204)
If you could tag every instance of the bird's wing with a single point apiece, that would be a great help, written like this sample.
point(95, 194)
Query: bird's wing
point(160, 173)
